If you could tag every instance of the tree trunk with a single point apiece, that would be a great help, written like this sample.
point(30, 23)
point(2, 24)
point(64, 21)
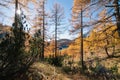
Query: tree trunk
point(56, 23)
point(106, 50)
point(43, 43)
point(113, 51)
point(117, 15)
point(82, 60)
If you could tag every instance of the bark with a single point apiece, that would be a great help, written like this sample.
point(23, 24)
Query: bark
point(117, 14)
point(106, 50)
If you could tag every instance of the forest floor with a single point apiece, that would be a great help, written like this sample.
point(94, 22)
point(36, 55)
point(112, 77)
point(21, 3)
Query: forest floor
point(45, 71)
point(49, 72)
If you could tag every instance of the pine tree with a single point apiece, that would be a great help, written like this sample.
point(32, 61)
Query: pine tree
point(14, 60)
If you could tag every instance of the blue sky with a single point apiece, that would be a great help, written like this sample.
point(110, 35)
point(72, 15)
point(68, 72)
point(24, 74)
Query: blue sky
point(67, 4)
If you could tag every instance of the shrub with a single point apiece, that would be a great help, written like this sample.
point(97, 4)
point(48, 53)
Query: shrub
point(14, 60)
point(114, 69)
point(56, 61)
point(67, 69)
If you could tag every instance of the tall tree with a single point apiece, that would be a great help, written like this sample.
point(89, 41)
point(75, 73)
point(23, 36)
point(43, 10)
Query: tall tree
point(43, 28)
point(98, 6)
point(95, 7)
point(57, 18)
point(117, 14)
point(77, 22)
point(40, 24)
point(12, 51)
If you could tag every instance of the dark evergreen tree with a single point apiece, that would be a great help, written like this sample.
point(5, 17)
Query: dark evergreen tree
point(14, 60)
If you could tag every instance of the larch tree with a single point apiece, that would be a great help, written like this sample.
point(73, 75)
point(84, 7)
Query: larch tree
point(57, 16)
point(50, 48)
point(104, 39)
point(95, 7)
point(77, 22)
point(40, 23)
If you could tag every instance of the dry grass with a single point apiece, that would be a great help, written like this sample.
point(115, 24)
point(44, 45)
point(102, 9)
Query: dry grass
point(49, 72)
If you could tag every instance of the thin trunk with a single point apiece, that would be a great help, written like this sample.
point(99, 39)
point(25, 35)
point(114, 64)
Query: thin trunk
point(106, 49)
point(43, 45)
point(117, 15)
point(113, 50)
point(56, 32)
point(16, 8)
point(39, 45)
point(82, 61)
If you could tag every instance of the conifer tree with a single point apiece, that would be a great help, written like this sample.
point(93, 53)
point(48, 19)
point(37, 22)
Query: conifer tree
point(57, 16)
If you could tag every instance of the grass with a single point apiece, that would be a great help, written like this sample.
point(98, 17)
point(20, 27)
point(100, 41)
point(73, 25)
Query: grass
point(49, 72)
point(65, 73)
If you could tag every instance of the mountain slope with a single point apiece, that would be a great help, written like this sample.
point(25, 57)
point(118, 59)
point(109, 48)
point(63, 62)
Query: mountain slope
point(63, 43)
